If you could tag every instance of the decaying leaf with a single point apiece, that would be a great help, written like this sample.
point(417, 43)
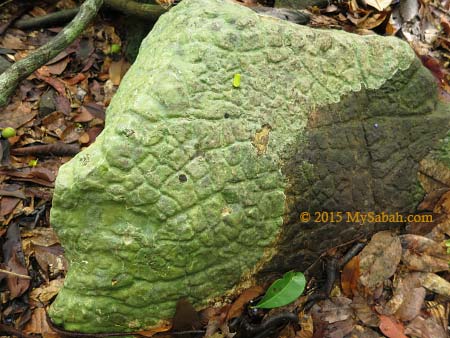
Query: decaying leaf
point(379, 4)
point(38, 324)
point(45, 293)
point(364, 312)
point(333, 310)
point(379, 259)
point(363, 332)
point(435, 283)
point(391, 327)
point(246, 296)
point(14, 260)
point(413, 296)
point(423, 254)
point(306, 324)
point(350, 276)
point(425, 327)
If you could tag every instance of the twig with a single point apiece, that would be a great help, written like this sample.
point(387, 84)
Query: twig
point(10, 331)
point(18, 275)
point(49, 20)
point(141, 10)
point(56, 149)
point(5, 3)
point(24, 67)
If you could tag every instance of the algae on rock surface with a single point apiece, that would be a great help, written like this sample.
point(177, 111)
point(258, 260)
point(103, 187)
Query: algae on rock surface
point(196, 183)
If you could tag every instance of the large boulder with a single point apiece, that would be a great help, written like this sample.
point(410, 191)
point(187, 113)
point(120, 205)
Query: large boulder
point(197, 182)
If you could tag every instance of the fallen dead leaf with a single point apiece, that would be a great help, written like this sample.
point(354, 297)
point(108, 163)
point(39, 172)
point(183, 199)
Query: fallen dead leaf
point(332, 310)
point(391, 327)
point(423, 254)
point(350, 276)
point(413, 297)
point(425, 327)
point(363, 332)
point(379, 259)
point(16, 115)
point(306, 324)
point(44, 293)
point(435, 283)
point(36, 175)
point(238, 306)
point(364, 312)
point(38, 324)
point(58, 68)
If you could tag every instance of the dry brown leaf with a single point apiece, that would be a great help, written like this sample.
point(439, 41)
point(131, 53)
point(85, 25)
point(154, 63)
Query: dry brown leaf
point(413, 297)
point(332, 310)
point(45, 293)
point(38, 175)
point(364, 312)
point(11, 41)
point(423, 254)
point(84, 138)
point(379, 259)
point(166, 326)
point(307, 325)
point(363, 332)
point(350, 276)
point(391, 327)
point(117, 70)
point(439, 311)
point(16, 114)
point(381, 5)
point(83, 116)
point(76, 79)
point(373, 21)
point(38, 324)
point(51, 259)
point(443, 205)
point(40, 236)
point(427, 328)
point(58, 68)
point(435, 283)
point(7, 205)
point(54, 82)
point(16, 285)
point(238, 306)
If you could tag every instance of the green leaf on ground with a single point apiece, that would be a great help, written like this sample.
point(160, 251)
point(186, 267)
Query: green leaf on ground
point(283, 291)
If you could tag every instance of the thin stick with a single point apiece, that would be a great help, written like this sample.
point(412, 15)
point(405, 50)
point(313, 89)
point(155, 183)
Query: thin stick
point(18, 275)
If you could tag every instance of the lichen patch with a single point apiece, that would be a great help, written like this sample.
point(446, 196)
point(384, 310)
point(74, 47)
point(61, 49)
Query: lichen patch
point(261, 139)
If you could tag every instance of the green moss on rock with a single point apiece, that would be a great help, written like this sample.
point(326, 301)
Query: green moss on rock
point(194, 181)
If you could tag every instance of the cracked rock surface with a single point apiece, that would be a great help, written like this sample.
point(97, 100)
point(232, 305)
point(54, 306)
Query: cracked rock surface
point(196, 184)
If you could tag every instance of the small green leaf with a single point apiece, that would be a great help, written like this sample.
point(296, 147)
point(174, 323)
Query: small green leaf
point(33, 163)
point(283, 291)
point(237, 80)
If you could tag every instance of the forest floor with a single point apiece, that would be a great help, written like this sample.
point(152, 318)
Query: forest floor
point(60, 109)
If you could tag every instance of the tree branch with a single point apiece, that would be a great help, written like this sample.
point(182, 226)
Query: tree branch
point(23, 68)
point(133, 8)
point(48, 20)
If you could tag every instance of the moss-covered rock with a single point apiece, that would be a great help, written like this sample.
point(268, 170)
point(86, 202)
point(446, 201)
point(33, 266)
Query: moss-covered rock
point(197, 184)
